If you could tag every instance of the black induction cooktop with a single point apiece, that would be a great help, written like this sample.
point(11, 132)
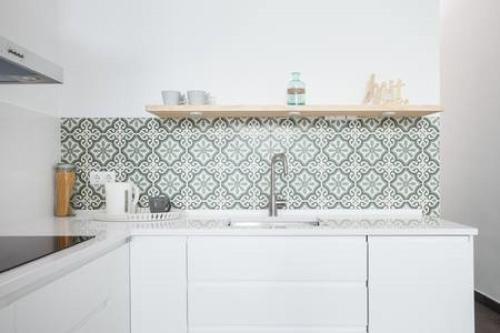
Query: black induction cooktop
point(19, 250)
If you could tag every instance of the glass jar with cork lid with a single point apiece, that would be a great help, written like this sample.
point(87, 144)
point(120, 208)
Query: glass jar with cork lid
point(64, 182)
point(296, 91)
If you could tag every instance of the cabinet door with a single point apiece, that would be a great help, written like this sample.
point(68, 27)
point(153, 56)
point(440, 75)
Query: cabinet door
point(158, 284)
point(421, 284)
point(113, 316)
point(69, 303)
point(7, 319)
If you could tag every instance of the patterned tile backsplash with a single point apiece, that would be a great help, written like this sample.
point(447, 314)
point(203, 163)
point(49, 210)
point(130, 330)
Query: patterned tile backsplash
point(224, 163)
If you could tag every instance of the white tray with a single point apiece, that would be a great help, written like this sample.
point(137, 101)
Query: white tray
point(143, 215)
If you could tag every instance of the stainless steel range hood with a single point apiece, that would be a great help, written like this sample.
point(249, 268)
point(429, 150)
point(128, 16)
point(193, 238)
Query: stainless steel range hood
point(20, 66)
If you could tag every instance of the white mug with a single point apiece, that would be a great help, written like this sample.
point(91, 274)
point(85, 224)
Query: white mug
point(198, 97)
point(172, 97)
point(121, 198)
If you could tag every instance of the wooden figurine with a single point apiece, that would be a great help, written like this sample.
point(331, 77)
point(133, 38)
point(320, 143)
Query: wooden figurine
point(384, 93)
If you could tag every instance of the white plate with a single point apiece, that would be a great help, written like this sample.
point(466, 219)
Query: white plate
point(143, 216)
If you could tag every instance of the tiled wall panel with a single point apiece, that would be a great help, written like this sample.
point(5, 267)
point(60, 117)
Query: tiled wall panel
point(224, 163)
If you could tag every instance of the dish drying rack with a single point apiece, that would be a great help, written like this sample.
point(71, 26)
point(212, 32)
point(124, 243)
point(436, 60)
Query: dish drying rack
point(142, 215)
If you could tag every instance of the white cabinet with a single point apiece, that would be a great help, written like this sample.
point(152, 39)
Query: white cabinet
point(114, 314)
point(266, 284)
point(95, 295)
point(248, 284)
point(93, 298)
point(421, 284)
point(159, 284)
point(286, 284)
point(7, 319)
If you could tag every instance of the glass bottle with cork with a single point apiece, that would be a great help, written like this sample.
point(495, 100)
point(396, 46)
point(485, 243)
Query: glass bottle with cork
point(296, 92)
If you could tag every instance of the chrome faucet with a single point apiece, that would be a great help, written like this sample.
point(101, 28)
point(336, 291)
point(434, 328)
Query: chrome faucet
point(274, 203)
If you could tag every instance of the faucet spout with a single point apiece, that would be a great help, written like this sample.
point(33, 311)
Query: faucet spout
point(274, 203)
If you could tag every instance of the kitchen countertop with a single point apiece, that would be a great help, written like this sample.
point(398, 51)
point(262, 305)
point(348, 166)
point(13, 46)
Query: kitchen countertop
point(110, 235)
point(332, 223)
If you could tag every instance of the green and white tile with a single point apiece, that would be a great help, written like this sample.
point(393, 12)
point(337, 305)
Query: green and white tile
point(224, 163)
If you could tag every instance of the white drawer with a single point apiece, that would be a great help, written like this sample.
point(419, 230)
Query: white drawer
point(324, 329)
point(277, 258)
point(443, 309)
point(421, 260)
point(67, 303)
point(277, 304)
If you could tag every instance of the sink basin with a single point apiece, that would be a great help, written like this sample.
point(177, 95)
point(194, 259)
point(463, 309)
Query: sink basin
point(273, 222)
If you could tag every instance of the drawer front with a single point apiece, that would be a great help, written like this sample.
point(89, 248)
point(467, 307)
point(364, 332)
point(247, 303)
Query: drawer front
point(421, 260)
point(324, 329)
point(416, 309)
point(277, 259)
point(277, 304)
point(67, 303)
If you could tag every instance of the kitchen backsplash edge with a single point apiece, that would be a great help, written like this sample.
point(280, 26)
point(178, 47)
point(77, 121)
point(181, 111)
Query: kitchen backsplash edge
point(224, 163)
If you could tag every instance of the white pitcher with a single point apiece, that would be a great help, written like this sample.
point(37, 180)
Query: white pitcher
point(121, 198)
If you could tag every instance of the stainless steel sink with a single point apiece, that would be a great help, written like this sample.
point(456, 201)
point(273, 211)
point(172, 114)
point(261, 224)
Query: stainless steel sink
point(273, 222)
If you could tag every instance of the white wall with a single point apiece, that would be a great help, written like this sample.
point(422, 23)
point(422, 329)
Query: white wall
point(119, 54)
point(29, 149)
point(29, 126)
point(470, 86)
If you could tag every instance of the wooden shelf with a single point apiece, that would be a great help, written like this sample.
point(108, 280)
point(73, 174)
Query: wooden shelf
point(359, 111)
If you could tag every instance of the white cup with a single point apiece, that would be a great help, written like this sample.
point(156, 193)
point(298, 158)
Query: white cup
point(198, 97)
point(172, 97)
point(121, 198)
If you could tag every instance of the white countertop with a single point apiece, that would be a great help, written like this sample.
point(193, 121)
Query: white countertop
point(111, 235)
point(332, 223)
